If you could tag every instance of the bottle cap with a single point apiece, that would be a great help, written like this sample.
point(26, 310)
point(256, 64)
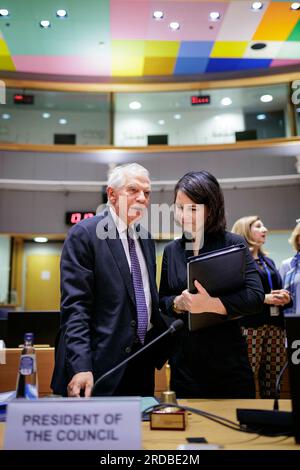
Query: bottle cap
point(28, 337)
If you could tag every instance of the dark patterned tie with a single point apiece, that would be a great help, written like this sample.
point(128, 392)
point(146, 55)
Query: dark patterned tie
point(140, 300)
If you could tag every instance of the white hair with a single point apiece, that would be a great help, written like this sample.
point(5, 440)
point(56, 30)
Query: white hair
point(118, 176)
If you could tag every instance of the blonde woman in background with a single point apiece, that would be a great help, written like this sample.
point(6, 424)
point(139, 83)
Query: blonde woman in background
point(290, 272)
point(265, 331)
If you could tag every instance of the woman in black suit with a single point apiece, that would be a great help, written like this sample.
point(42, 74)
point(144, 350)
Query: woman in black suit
point(211, 362)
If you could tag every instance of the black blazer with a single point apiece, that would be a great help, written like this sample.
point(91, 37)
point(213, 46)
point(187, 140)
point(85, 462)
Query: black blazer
point(98, 312)
point(212, 362)
point(264, 317)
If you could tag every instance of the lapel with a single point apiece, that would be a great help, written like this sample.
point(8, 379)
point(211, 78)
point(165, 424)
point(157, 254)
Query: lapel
point(116, 247)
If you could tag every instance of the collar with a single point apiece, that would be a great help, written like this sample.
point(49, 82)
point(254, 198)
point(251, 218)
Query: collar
point(121, 225)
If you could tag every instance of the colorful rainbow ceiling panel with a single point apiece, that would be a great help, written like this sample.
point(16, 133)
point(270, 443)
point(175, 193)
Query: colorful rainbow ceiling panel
point(121, 38)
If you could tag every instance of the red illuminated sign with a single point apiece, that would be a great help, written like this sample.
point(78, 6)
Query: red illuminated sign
point(21, 98)
point(73, 218)
point(204, 99)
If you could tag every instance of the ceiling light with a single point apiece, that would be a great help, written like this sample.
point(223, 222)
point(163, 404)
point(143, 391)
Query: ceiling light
point(46, 115)
point(258, 45)
point(45, 24)
point(266, 98)
point(256, 6)
point(226, 101)
point(62, 121)
point(174, 25)
point(161, 122)
point(295, 6)
point(4, 12)
point(135, 105)
point(261, 117)
point(5, 116)
point(177, 116)
point(40, 239)
point(158, 15)
point(214, 16)
point(61, 13)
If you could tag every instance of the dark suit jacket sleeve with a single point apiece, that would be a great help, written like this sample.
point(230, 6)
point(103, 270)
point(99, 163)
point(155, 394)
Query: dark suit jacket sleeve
point(77, 297)
point(250, 299)
point(279, 282)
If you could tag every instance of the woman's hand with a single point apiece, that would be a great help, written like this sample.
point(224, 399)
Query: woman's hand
point(278, 297)
point(202, 301)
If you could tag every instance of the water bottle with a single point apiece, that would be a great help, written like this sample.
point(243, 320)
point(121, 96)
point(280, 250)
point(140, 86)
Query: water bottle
point(27, 384)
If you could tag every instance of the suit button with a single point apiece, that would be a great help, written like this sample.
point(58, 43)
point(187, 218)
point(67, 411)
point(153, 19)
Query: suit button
point(133, 323)
point(128, 349)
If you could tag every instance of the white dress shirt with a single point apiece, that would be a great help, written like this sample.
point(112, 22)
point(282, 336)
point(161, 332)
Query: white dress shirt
point(122, 230)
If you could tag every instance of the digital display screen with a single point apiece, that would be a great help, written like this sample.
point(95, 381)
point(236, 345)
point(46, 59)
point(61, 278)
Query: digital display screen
point(73, 218)
point(204, 99)
point(21, 98)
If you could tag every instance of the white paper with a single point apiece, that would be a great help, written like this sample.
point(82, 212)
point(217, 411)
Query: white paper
point(81, 424)
point(45, 275)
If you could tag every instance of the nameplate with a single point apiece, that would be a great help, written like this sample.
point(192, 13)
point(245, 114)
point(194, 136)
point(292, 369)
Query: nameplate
point(70, 423)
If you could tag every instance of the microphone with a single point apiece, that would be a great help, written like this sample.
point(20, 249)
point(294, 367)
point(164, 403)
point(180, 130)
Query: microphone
point(176, 325)
point(272, 422)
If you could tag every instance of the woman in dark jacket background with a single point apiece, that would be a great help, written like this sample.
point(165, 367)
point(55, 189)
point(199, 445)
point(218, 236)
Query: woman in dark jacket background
point(264, 332)
point(210, 362)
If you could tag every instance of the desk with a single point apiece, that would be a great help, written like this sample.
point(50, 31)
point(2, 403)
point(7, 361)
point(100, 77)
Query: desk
point(199, 426)
point(213, 432)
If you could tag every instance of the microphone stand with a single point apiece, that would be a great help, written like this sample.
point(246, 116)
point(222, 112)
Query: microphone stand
point(176, 325)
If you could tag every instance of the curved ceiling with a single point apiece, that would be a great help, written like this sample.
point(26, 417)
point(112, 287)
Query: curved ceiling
point(120, 38)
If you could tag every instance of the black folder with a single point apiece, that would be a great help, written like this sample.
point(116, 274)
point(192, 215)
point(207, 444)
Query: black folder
point(219, 272)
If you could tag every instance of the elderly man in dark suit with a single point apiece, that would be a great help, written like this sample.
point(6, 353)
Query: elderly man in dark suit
point(109, 300)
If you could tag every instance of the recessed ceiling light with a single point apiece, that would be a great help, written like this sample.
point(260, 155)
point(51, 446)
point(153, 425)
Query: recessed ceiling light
point(4, 12)
point(61, 13)
point(214, 16)
point(177, 116)
point(261, 117)
point(266, 98)
point(46, 115)
point(62, 121)
point(226, 101)
point(40, 239)
point(45, 24)
point(5, 116)
point(135, 105)
point(174, 25)
point(161, 122)
point(256, 6)
point(158, 15)
point(295, 6)
point(258, 45)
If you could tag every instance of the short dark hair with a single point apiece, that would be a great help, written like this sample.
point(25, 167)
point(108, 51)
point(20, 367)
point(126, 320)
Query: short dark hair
point(203, 188)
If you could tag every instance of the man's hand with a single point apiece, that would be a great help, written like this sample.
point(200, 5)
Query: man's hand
point(202, 301)
point(81, 381)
